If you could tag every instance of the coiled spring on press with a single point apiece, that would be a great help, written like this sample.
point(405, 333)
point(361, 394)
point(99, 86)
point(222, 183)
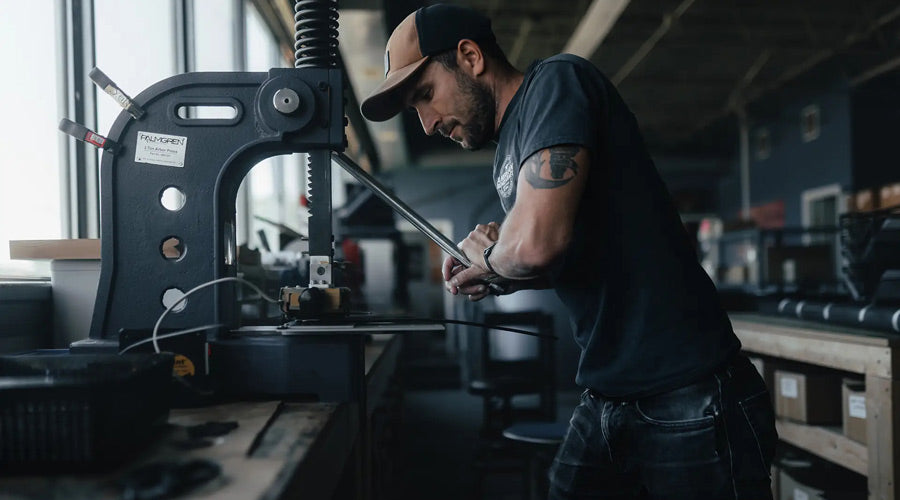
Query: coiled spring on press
point(315, 34)
point(310, 173)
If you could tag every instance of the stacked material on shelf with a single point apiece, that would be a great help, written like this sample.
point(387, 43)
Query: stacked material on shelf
point(802, 475)
point(811, 396)
point(853, 401)
point(870, 255)
point(874, 317)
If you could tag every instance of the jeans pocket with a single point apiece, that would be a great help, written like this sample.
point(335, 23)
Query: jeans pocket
point(687, 448)
point(759, 436)
point(688, 421)
point(689, 407)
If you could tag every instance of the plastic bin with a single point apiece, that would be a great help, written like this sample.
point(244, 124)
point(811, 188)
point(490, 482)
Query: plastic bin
point(79, 411)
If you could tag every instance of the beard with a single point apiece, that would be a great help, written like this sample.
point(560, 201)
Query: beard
point(482, 111)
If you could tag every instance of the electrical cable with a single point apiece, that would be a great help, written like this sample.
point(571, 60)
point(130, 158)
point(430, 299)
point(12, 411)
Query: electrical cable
point(373, 319)
point(154, 337)
point(172, 334)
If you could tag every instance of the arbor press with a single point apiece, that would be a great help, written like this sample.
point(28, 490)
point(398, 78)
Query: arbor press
point(169, 182)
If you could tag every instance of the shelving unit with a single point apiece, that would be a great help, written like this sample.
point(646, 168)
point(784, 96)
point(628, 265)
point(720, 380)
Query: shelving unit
point(871, 354)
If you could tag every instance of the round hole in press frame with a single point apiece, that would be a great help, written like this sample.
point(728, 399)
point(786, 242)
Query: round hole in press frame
point(173, 249)
point(171, 296)
point(172, 199)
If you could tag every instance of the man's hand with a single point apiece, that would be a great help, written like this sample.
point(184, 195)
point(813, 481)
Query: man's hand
point(536, 232)
point(483, 236)
point(474, 280)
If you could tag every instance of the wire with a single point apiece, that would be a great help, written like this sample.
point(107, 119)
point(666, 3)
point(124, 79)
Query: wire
point(475, 323)
point(408, 319)
point(495, 327)
point(172, 334)
point(154, 337)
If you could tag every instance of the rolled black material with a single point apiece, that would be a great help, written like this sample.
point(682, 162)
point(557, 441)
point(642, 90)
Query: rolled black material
point(873, 317)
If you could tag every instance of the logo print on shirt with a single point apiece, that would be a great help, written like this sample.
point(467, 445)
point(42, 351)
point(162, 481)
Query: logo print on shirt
point(505, 179)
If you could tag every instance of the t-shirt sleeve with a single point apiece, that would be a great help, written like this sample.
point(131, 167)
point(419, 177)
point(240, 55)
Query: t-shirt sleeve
point(562, 105)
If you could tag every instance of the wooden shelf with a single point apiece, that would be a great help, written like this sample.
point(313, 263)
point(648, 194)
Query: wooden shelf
point(871, 354)
point(828, 443)
point(54, 249)
point(868, 354)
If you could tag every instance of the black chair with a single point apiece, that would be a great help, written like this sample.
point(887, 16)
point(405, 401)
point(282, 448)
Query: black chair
point(505, 375)
point(516, 382)
point(539, 441)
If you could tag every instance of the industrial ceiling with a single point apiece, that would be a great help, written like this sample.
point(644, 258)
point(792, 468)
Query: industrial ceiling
point(685, 67)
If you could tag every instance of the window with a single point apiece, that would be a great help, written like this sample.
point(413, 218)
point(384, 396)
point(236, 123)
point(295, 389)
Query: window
point(821, 207)
point(810, 123)
point(265, 180)
point(214, 37)
point(136, 57)
point(29, 140)
point(34, 183)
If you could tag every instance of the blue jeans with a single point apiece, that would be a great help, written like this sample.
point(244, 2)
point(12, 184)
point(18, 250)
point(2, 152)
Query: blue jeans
point(711, 440)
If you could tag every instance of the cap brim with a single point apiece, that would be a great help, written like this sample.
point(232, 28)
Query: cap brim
point(385, 101)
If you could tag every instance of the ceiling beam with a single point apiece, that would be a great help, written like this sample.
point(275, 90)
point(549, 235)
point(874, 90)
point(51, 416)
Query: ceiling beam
point(521, 38)
point(594, 26)
point(875, 72)
point(735, 97)
point(812, 61)
point(826, 54)
point(668, 21)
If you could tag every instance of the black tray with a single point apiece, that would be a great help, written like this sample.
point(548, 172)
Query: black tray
point(65, 412)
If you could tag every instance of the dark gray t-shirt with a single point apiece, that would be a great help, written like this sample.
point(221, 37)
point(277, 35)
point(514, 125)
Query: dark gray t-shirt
point(646, 315)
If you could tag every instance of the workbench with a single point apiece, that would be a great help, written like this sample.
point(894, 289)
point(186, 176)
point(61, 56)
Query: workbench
point(280, 449)
point(872, 354)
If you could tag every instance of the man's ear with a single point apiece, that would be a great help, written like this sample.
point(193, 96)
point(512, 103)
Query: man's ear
point(469, 57)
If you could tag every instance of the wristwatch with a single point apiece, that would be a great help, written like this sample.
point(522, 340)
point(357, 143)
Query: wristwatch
point(487, 253)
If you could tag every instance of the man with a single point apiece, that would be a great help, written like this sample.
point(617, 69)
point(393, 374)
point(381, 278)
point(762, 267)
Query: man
point(671, 409)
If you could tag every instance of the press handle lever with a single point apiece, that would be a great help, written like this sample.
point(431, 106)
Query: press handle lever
point(104, 82)
point(87, 135)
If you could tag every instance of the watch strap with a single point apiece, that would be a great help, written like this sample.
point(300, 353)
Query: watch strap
point(487, 254)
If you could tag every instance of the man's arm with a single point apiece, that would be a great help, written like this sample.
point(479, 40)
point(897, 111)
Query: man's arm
point(539, 227)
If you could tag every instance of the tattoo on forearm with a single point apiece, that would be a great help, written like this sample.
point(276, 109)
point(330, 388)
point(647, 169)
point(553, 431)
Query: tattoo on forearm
point(562, 168)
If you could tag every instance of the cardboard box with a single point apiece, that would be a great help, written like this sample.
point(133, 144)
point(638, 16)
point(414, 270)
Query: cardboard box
point(889, 196)
point(813, 397)
point(734, 275)
point(853, 398)
point(766, 369)
point(865, 200)
point(774, 480)
point(788, 487)
point(812, 264)
point(815, 479)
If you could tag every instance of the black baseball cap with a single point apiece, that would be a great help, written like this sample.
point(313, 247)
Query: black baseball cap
point(426, 32)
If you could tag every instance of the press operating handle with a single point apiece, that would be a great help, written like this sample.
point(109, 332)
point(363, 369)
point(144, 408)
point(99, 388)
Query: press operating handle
point(104, 82)
point(87, 135)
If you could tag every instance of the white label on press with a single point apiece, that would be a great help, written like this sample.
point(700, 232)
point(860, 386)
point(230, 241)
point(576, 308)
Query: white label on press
point(800, 494)
point(857, 406)
point(160, 149)
point(789, 387)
